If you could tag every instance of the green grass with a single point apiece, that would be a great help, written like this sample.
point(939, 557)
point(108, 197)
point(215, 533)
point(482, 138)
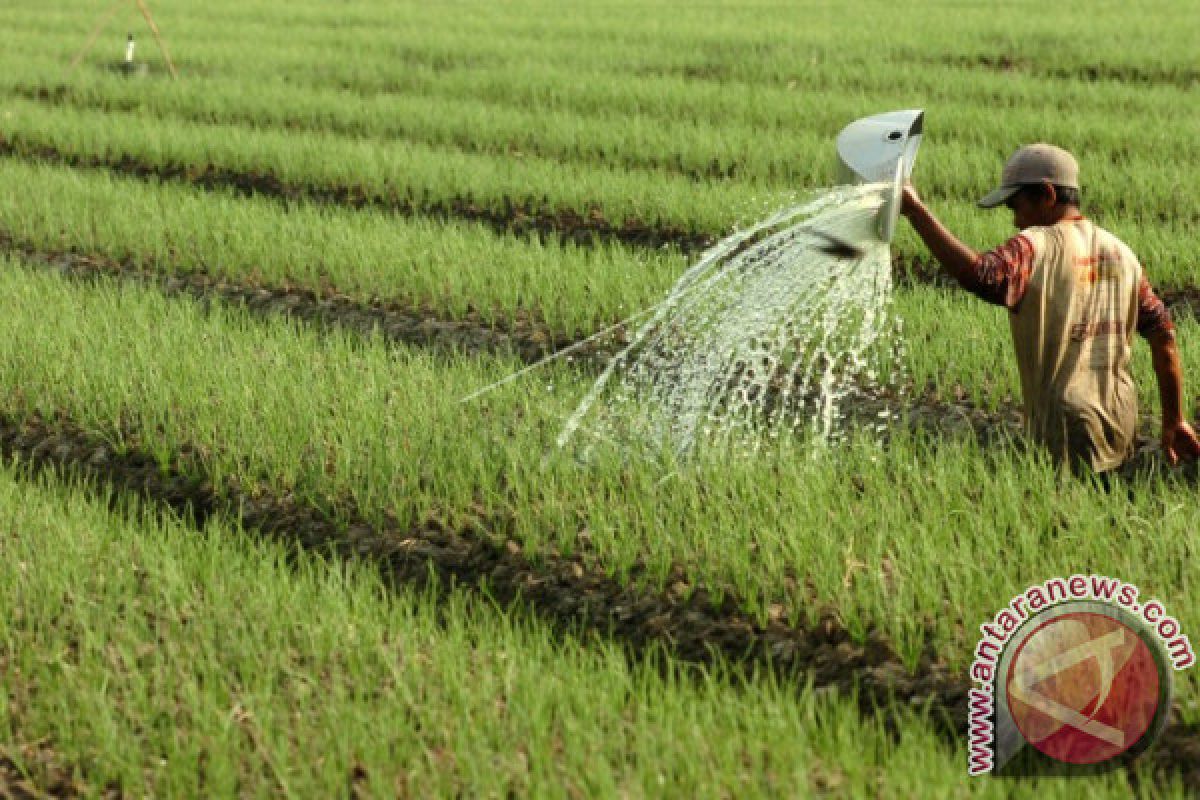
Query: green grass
point(334, 418)
point(367, 254)
point(177, 662)
point(153, 655)
point(579, 112)
point(954, 341)
point(422, 174)
point(1140, 195)
point(769, 133)
point(730, 39)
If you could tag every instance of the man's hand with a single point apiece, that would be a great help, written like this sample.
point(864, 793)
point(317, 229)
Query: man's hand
point(1180, 442)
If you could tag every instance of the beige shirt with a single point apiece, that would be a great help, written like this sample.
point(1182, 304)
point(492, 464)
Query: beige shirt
point(1073, 330)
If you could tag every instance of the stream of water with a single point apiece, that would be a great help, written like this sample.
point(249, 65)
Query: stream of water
point(778, 329)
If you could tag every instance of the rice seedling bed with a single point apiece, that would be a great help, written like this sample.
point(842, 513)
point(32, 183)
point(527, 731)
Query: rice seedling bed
point(354, 425)
point(573, 589)
point(488, 183)
point(154, 681)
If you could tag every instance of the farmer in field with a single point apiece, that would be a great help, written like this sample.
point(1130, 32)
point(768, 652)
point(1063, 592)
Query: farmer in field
point(1075, 295)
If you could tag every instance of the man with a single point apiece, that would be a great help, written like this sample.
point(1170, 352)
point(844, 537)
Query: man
point(1075, 294)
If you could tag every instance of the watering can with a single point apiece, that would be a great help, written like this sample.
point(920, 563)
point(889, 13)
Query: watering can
point(881, 149)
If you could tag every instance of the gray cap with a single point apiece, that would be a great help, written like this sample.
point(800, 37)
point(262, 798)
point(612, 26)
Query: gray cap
point(1034, 163)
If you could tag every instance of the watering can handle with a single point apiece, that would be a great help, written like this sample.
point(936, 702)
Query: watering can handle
point(890, 211)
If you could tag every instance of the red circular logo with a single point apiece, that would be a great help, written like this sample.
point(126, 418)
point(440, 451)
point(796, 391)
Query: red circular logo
point(1083, 687)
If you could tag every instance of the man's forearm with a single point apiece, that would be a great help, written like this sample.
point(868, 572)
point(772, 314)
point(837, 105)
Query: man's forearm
point(957, 258)
point(1167, 369)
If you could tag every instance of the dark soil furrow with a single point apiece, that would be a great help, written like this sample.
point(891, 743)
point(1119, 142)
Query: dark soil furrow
point(410, 323)
point(1183, 78)
point(911, 272)
point(1185, 300)
point(565, 225)
point(519, 216)
point(568, 592)
point(667, 163)
point(407, 323)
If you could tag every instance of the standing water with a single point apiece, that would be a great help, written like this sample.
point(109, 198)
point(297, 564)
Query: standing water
point(778, 329)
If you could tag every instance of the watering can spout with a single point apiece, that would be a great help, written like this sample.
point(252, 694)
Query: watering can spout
point(882, 149)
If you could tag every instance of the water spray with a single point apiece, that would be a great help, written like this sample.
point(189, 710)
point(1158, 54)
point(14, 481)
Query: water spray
point(777, 328)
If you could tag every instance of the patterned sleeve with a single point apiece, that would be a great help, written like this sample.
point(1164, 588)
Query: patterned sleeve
point(1002, 275)
point(1153, 316)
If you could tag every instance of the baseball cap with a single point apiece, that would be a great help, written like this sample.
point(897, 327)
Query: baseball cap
point(1034, 163)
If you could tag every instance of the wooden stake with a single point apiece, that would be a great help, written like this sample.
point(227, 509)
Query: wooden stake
point(105, 19)
point(157, 37)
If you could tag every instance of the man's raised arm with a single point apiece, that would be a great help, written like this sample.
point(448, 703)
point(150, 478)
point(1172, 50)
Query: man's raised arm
point(957, 258)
